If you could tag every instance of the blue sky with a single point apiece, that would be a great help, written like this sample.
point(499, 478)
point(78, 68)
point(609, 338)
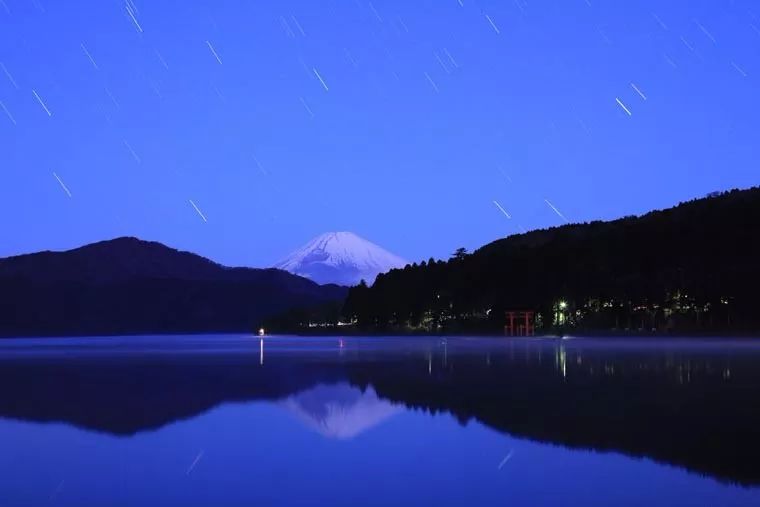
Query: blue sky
point(397, 146)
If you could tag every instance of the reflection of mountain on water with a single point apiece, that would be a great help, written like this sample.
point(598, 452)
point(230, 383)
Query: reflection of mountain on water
point(340, 411)
point(124, 397)
point(691, 405)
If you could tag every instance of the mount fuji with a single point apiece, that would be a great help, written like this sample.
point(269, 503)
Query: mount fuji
point(342, 258)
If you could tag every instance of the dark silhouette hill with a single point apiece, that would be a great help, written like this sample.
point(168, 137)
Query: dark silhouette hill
point(130, 286)
point(690, 268)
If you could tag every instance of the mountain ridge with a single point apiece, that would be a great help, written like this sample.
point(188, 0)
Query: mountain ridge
point(130, 286)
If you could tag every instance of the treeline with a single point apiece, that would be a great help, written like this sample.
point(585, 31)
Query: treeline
point(691, 268)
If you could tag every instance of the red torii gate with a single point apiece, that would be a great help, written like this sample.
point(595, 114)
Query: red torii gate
point(526, 329)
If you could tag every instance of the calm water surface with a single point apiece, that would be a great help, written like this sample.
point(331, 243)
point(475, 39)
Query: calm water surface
point(235, 420)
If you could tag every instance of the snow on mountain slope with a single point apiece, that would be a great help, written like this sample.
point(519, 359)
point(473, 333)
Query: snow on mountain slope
point(342, 258)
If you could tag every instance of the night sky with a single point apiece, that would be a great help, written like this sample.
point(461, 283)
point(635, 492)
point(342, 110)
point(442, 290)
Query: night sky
point(241, 129)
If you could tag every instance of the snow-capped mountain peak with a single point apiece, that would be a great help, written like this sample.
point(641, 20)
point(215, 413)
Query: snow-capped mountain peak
point(342, 258)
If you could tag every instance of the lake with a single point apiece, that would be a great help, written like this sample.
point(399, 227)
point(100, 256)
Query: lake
point(237, 420)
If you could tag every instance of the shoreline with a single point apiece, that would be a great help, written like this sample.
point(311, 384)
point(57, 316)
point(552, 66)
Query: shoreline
point(331, 332)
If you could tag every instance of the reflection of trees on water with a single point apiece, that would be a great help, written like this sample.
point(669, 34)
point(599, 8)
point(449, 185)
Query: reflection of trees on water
point(693, 406)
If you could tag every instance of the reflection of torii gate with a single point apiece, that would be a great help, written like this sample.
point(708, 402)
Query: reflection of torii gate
point(527, 328)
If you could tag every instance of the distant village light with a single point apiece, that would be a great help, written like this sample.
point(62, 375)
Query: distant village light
point(559, 308)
